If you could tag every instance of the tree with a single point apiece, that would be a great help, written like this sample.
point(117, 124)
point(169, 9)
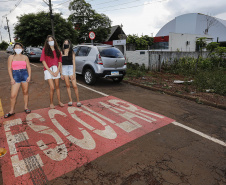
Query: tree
point(210, 22)
point(201, 44)
point(212, 46)
point(221, 53)
point(85, 19)
point(3, 45)
point(140, 42)
point(32, 29)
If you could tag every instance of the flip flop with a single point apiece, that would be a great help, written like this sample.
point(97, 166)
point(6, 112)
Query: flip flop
point(3, 152)
point(79, 104)
point(8, 115)
point(27, 111)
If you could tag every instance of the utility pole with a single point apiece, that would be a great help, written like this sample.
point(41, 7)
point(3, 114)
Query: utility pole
point(51, 17)
point(8, 28)
point(1, 35)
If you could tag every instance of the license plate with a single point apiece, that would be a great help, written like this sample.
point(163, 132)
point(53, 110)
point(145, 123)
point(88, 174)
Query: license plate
point(114, 73)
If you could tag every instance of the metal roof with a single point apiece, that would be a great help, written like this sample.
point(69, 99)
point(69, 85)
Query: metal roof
point(195, 23)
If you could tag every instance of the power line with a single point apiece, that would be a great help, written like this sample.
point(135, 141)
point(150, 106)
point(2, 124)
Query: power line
point(7, 1)
point(61, 3)
point(134, 6)
point(16, 5)
point(120, 4)
point(106, 2)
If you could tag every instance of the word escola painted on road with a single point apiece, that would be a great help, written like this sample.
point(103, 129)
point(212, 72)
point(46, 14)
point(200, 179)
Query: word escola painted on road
point(48, 143)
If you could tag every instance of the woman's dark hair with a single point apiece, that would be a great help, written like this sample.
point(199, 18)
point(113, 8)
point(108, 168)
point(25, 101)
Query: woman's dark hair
point(70, 48)
point(48, 50)
point(21, 45)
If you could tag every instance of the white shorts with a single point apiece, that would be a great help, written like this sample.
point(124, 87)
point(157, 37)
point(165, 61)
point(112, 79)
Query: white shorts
point(47, 74)
point(67, 70)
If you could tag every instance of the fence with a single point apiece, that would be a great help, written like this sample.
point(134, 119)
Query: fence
point(153, 60)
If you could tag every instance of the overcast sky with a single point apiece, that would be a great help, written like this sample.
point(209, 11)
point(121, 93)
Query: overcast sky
point(137, 16)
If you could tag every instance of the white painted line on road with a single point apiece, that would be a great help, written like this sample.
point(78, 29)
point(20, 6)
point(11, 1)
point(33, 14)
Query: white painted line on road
point(103, 94)
point(200, 133)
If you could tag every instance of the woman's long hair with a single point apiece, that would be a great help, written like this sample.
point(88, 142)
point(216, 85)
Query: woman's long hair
point(70, 48)
point(48, 50)
point(21, 45)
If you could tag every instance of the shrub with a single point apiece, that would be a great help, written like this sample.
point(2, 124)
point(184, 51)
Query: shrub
point(3, 45)
point(214, 80)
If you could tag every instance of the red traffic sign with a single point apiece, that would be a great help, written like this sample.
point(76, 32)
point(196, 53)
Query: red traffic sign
point(92, 35)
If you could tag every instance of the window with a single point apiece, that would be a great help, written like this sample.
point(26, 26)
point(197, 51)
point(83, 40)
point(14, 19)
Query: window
point(110, 52)
point(83, 51)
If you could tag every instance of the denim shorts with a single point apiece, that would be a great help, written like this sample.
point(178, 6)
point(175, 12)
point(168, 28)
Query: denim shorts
point(20, 75)
point(67, 70)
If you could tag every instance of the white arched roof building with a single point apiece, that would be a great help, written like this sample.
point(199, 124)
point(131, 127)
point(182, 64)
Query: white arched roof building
point(196, 23)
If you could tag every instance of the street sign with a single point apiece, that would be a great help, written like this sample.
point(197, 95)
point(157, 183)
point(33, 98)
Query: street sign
point(92, 35)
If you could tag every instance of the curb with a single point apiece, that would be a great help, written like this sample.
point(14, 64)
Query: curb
point(192, 98)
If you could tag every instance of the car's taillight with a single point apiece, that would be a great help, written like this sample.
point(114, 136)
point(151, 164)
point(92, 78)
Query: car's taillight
point(125, 61)
point(99, 60)
point(32, 53)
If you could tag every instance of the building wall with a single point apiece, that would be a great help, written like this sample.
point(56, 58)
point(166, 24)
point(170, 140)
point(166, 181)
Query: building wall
point(154, 59)
point(184, 42)
point(138, 56)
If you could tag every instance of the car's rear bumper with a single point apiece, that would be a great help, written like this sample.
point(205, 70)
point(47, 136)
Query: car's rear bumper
point(107, 74)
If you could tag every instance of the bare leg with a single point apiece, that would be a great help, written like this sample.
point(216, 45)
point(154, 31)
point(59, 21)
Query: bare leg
point(74, 84)
point(57, 85)
point(66, 79)
point(14, 92)
point(25, 92)
point(51, 93)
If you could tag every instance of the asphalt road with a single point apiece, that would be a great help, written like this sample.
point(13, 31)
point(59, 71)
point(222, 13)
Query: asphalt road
point(169, 155)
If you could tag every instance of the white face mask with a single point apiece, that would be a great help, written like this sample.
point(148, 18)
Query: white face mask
point(18, 51)
point(51, 43)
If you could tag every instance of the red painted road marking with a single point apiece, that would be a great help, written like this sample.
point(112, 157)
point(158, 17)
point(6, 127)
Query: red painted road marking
point(48, 143)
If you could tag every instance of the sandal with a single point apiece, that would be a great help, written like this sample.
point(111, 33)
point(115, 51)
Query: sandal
point(3, 151)
point(79, 104)
point(70, 103)
point(27, 111)
point(8, 115)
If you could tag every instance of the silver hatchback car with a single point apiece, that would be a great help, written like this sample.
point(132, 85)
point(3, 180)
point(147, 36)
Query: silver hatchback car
point(93, 61)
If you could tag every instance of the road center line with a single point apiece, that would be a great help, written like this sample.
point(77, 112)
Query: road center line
point(200, 134)
point(103, 94)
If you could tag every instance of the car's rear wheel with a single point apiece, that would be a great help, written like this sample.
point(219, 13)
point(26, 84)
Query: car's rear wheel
point(89, 76)
point(117, 79)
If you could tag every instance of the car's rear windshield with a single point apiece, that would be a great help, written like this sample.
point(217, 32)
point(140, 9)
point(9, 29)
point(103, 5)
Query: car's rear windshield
point(36, 50)
point(110, 52)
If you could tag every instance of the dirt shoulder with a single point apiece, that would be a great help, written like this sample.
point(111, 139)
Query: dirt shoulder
point(172, 84)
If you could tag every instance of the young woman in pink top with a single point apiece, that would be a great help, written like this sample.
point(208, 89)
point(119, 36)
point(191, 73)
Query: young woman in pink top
point(51, 59)
point(20, 74)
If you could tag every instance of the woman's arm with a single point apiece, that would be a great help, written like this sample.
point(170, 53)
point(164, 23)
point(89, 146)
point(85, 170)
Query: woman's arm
point(28, 69)
point(74, 66)
point(10, 59)
point(47, 68)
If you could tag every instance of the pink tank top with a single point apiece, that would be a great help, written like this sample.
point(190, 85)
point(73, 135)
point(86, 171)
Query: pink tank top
point(16, 65)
